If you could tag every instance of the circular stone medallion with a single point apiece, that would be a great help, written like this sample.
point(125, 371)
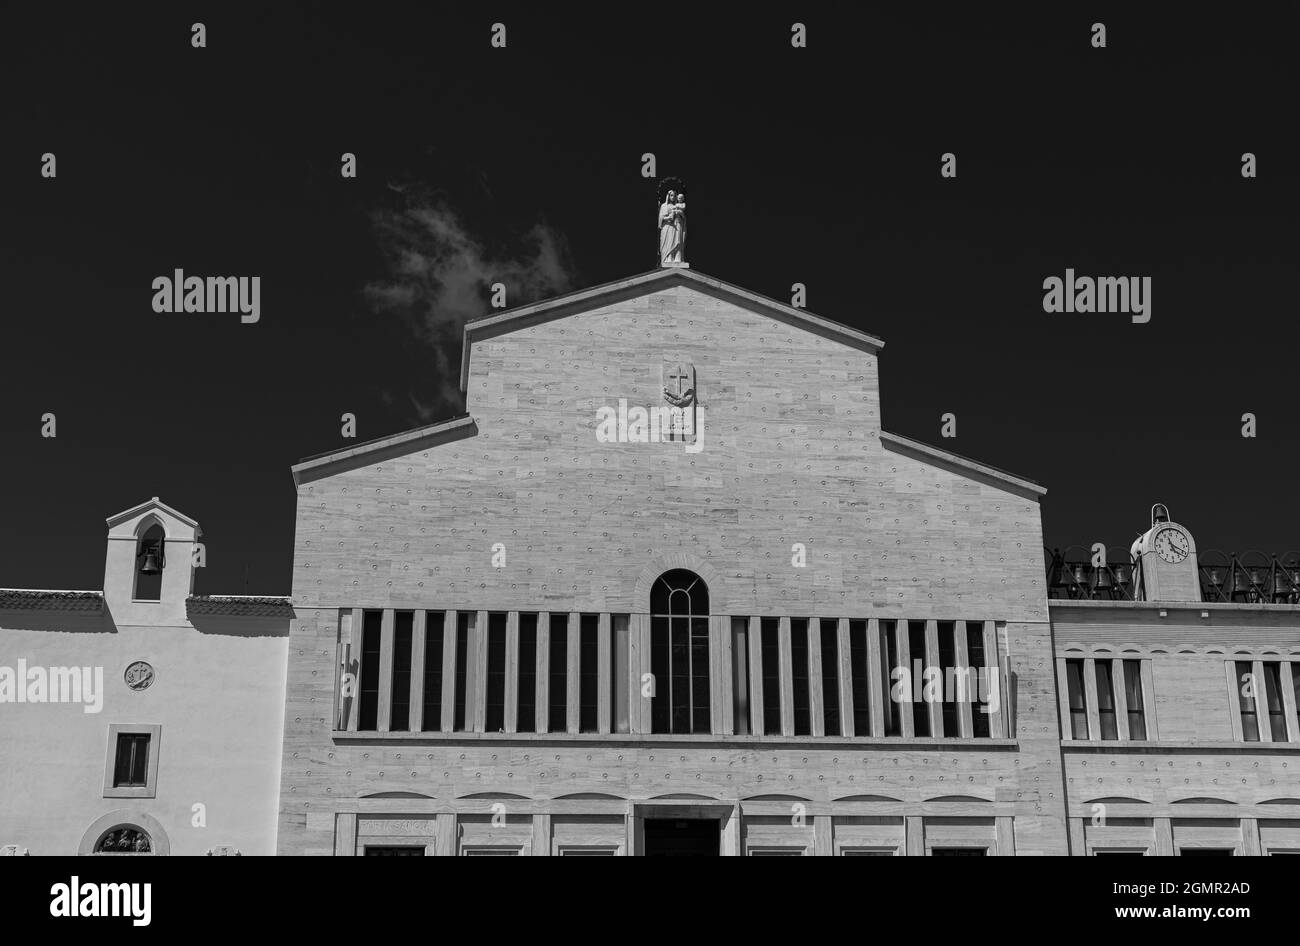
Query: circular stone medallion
point(139, 675)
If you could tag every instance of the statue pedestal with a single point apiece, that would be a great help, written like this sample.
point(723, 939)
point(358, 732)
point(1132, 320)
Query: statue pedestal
point(674, 265)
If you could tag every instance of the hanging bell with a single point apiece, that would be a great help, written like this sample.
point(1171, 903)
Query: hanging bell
point(150, 566)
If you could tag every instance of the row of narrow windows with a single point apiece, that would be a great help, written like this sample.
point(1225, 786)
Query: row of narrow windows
point(1260, 701)
point(1261, 695)
point(1109, 675)
point(795, 676)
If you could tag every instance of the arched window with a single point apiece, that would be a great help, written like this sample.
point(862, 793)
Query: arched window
point(149, 562)
point(124, 839)
point(679, 653)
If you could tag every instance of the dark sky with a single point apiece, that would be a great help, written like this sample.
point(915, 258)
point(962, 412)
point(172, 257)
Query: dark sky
point(818, 165)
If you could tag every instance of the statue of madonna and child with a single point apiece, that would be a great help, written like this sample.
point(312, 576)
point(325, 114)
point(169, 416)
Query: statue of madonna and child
point(672, 228)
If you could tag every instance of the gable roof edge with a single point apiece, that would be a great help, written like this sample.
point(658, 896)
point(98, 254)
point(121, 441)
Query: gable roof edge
point(399, 444)
point(953, 462)
point(154, 503)
point(493, 324)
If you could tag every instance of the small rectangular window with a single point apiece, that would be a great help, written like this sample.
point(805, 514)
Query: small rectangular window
point(1106, 700)
point(1246, 688)
point(526, 712)
point(131, 764)
point(1137, 721)
point(495, 718)
point(400, 718)
point(433, 632)
point(1075, 694)
point(769, 631)
point(588, 672)
point(799, 662)
point(830, 641)
point(368, 718)
point(557, 713)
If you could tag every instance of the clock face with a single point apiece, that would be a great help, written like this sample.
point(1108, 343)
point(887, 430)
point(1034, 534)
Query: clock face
point(1172, 545)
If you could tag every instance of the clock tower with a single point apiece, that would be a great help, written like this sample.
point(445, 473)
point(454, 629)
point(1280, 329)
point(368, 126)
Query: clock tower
point(1166, 558)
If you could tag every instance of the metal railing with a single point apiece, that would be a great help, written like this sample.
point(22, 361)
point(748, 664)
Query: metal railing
point(1071, 574)
point(1252, 577)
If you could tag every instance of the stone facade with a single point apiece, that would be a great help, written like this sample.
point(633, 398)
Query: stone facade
point(790, 456)
point(1194, 781)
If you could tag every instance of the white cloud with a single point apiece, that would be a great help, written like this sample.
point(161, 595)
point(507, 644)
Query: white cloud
point(440, 274)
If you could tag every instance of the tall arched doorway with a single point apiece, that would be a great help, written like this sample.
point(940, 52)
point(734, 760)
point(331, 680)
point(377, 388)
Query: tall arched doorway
point(679, 653)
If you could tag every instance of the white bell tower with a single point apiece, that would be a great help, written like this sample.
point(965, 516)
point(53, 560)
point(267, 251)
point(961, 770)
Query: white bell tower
point(149, 565)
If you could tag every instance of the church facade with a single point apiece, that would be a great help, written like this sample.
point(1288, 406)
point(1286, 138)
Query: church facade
point(649, 595)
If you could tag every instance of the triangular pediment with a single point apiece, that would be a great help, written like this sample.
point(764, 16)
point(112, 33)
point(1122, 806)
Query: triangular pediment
point(583, 300)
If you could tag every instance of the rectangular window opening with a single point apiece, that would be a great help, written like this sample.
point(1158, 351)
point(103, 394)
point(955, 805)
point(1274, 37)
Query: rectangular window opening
point(131, 763)
point(1137, 720)
point(740, 675)
point(859, 670)
point(368, 718)
point(948, 667)
point(889, 665)
point(799, 667)
point(557, 714)
point(400, 701)
point(1247, 686)
point(1106, 700)
point(494, 719)
point(588, 672)
point(981, 672)
point(1273, 699)
point(1075, 694)
point(619, 631)
point(464, 621)
point(770, 639)
point(526, 703)
point(830, 641)
point(916, 648)
point(433, 633)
